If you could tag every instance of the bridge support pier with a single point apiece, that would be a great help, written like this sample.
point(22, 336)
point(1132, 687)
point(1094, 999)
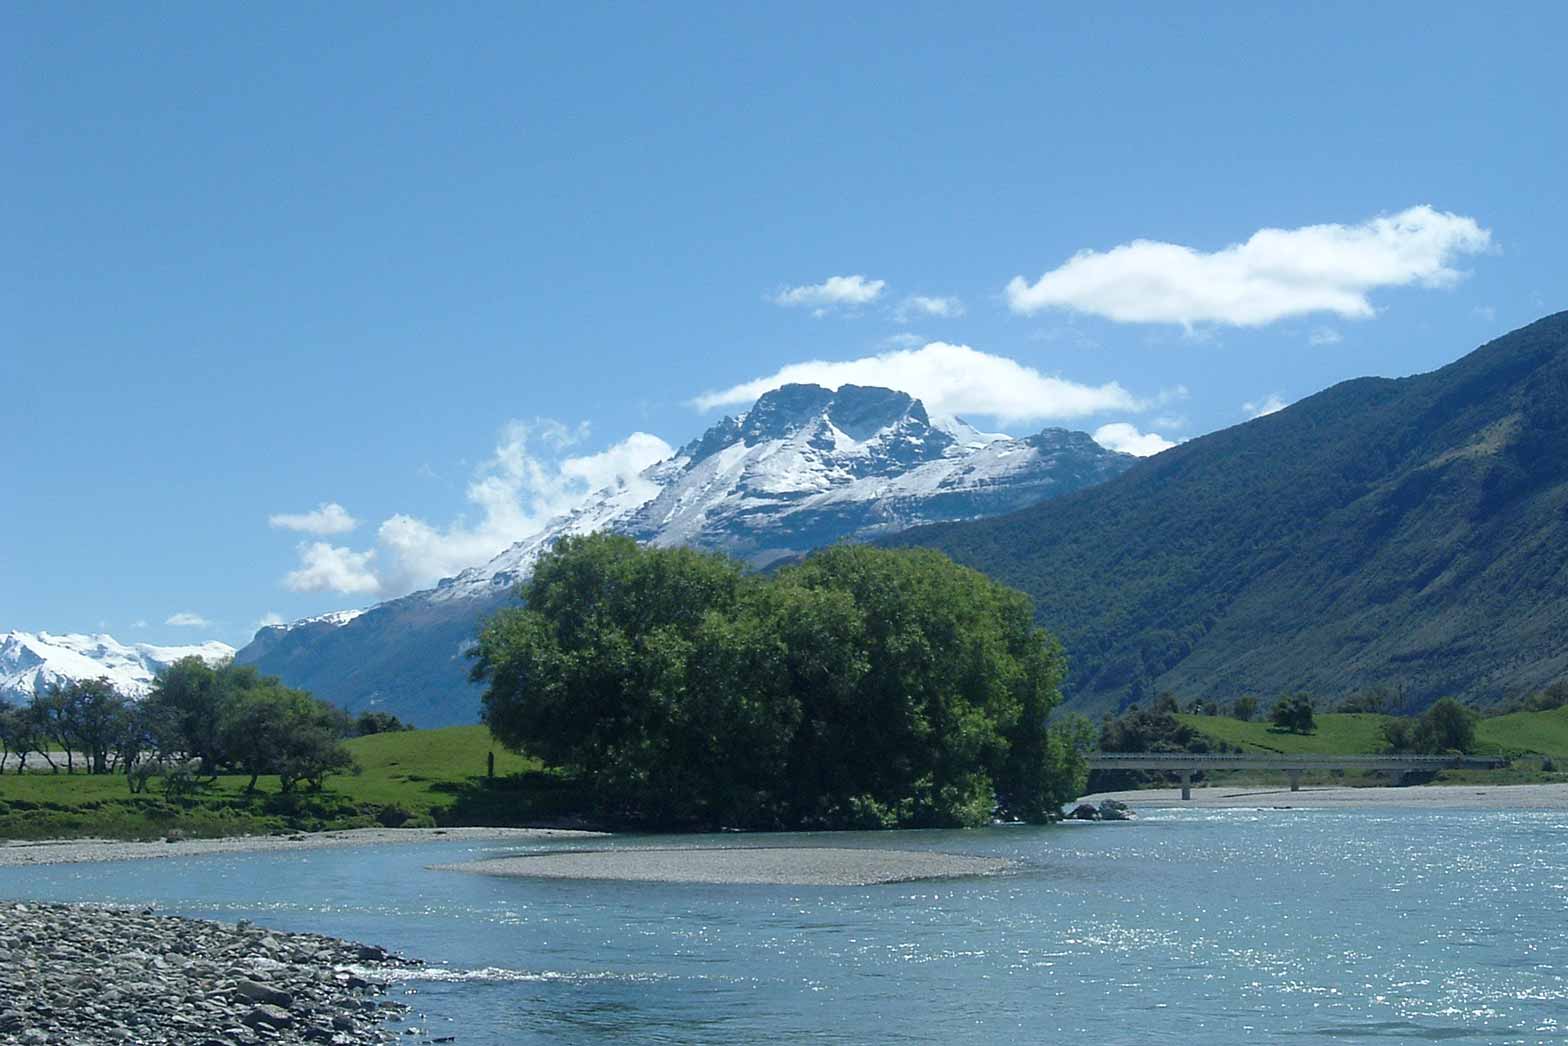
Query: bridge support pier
point(1186, 784)
point(1295, 779)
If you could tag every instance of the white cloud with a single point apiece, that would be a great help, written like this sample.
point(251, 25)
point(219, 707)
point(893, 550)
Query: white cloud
point(924, 305)
point(188, 619)
point(1127, 439)
point(1324, 336)
point(1268, 405)
point(529, 480)
point(140, 622)
point(269, 619)
point(1275, 274)
point(328, 518)
point(950, 379)
point(833, 292)
point(333, 568)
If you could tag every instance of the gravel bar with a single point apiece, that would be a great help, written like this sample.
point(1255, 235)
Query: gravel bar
point(77, 851)
point(1427, 797)
point(757, 865)
point(93, 974)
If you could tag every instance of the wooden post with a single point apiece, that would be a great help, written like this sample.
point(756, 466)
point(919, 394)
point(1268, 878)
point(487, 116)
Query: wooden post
point(490, 769)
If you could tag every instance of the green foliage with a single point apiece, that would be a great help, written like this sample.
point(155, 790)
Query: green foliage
point(1402, 534)
point(858, 687)
point(378, 723)
point(1244, 708)
point(268, 728)
point(1155, 729)
point(1294, 713)
point(1447, 726)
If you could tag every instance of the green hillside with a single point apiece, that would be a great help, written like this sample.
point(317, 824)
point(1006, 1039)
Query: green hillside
point(1409, 534)
point(1545, 733)
point(416, 777)
point(1515, 734)
point(1336, 734)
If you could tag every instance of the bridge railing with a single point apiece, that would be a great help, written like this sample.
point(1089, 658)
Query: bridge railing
point(1188, 763)
point(1154, 760)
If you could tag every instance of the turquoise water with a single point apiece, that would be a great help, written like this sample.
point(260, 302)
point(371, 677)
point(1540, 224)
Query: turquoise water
point(1187, 926)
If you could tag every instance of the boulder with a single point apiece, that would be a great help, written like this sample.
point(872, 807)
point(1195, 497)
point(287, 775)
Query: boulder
point(1111, 810)
point(1085, 812)
point(255, 991)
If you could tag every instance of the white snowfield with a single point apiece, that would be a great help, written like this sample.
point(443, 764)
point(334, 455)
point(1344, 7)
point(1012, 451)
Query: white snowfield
point(31, 661)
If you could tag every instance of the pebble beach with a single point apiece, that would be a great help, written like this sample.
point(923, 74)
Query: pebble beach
point(89, 974)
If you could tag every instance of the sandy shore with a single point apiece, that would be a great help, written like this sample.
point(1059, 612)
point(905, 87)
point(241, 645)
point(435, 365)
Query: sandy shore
point(76, 851)
point(754, 865)
point(1429, 797)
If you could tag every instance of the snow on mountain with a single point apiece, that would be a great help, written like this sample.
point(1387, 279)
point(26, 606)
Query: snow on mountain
point(31, 661)
point(805, 467)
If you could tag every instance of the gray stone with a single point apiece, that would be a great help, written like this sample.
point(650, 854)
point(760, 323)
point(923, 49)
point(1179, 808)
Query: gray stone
point(258, 992)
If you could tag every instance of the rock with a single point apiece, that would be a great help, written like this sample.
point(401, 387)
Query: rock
point(1112, 810)
point(271, 1016)
point(258, 992)
point(1085, 812)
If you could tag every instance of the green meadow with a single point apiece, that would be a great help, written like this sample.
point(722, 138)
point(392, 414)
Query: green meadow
point(406, 779)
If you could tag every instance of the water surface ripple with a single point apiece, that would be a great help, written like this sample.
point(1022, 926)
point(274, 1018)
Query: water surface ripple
point(1202, 926)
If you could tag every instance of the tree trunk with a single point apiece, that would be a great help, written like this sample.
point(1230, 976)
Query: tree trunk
point(252, 786)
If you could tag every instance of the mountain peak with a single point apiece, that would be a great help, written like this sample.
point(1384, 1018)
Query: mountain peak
point(784, 411)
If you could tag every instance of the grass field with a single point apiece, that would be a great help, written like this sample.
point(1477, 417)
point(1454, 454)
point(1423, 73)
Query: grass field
point(1522, 736)
point(417, 777)
point(1336, 734)
point(1516, 734)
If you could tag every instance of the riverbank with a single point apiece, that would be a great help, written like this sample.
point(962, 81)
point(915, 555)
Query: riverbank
point(85, 974)
point(76, 851)
point(1427, 797)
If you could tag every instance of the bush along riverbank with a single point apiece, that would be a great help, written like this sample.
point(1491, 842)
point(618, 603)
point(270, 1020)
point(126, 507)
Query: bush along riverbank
point(91, 974)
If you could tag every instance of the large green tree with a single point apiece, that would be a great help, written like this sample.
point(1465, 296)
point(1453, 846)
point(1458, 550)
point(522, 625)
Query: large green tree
point(861, 687)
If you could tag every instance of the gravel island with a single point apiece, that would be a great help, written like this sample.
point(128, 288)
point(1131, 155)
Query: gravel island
point(85, 974)
point(756, 865)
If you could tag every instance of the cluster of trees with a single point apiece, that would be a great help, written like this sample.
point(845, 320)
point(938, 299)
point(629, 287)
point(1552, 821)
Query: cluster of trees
point(227, 718)
point(1447, 726)
point(860, 687)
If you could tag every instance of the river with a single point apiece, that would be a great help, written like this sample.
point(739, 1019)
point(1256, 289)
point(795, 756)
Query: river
point(1211, 926)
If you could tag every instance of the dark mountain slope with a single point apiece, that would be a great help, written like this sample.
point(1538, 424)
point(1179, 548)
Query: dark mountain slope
point(1408, 533)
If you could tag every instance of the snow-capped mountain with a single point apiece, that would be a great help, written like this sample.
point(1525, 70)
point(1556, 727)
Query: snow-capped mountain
point(32, 661)
point(805, 467)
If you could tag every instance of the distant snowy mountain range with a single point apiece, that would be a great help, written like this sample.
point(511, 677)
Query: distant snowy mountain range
point(31, 661)
point(805, 467)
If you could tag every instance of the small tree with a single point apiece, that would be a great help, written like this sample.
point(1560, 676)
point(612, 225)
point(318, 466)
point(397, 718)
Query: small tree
point(1245, 709)
point(379, 723)
point(271, 729)
point(90, 716)
point(1294, 714)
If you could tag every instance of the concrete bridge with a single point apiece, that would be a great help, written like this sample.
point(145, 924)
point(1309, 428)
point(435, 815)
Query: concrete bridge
point(1293, 766)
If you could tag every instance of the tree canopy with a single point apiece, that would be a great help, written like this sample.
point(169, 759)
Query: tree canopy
point(861, 687)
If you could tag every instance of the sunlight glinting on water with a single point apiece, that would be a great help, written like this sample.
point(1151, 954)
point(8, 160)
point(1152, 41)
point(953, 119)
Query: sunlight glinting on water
point(1213, 926)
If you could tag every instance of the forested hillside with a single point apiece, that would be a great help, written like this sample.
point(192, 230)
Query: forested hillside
point(1405, 533)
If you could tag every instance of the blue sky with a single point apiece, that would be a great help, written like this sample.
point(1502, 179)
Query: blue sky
point(442, 269)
